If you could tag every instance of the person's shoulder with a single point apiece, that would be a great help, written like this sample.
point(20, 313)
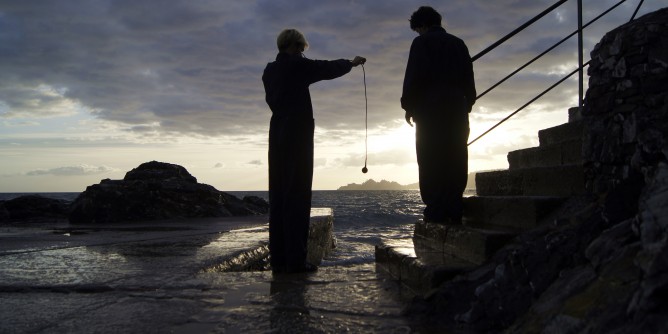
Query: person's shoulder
point(420, 39)
point(451, 36)
point(454, 39)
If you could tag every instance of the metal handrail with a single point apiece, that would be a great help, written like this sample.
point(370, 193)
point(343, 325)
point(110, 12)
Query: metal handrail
point(547, 51)
point(516, 31)
point(531, 101)
point(579, 69)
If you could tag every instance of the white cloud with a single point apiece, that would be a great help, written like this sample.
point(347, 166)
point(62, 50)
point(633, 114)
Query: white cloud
point(72, 171)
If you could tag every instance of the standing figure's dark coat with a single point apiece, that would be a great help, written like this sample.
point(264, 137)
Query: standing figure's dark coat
point(438, 93)
point(286, 82)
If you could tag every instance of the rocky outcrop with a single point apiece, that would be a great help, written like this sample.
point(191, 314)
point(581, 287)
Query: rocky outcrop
point(601, 268)
point(33, 208)
point(158, 190)
point(626, 106)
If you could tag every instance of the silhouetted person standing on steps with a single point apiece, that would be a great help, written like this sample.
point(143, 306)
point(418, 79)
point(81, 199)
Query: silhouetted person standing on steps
point(438, 94)
point(286, 82)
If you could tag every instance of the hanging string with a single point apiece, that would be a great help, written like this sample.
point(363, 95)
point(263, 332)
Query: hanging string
point(366, 124)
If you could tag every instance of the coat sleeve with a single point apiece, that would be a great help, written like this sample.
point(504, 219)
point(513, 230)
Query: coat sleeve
point(468, 77)
point(318, 70)
point(414, 76)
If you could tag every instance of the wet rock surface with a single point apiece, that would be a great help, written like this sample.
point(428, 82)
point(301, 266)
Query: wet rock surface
point(162, 277)
point(157, 190)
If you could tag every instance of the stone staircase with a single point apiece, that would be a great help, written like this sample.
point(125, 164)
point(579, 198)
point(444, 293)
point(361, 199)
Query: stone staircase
point(508, 202)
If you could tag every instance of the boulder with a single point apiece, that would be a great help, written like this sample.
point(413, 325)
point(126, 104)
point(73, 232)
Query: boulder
point(158, 190)
point(33, 208)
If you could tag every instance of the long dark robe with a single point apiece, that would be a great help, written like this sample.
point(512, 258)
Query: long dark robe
point(438, 92)
point(286, 83)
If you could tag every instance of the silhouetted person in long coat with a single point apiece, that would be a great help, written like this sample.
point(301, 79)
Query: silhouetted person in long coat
point(438, 94)
point(286, 84)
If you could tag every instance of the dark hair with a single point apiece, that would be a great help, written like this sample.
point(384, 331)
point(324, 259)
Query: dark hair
point(425, 16)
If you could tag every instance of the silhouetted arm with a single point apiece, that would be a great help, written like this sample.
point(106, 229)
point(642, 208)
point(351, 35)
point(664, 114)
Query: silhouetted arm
point(469, 81)
point(318, 70)
point(414, 79)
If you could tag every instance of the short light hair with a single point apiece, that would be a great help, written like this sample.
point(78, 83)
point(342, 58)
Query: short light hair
point(289, 37)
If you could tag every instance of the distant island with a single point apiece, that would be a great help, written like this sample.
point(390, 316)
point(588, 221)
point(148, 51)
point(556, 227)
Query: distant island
point(370, 184)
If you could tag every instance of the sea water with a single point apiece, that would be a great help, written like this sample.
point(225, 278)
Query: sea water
point(361, 218)
point(346, 294)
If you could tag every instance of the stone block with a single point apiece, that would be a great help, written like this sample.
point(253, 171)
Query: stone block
point(416, 265)
point(560, 133)
point(321, 237)
point(564, 153)
point(470, 244)
point(574, 114)
point(539, 181)
point(521, 212)
point(535, 157)
point(431, 235)
point(473, 244)
point(390, 255)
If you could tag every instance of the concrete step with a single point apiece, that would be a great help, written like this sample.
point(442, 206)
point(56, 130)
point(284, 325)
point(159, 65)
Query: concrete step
point(523, 212)
point(473, 244)
point(561, 181)
point(320, 244)
point(574, 114)
point(559, 154)
point(560, 133)
point(417, 266)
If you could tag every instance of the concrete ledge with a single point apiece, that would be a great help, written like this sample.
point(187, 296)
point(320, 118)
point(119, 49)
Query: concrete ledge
point(321, 238)
point(509, 211)
point(559, 181)
point(471, 244)
point(417, 266)
point(560, 133)
point(320, 244)
point(559, 154)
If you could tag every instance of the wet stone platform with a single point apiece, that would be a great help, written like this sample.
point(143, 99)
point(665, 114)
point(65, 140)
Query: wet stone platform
point(181, 276)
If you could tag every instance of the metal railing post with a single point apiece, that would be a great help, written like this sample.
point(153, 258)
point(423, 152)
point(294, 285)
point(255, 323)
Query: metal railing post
point(580, 58)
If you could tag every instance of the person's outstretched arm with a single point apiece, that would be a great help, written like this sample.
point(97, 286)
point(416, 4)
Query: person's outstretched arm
point(331, 69)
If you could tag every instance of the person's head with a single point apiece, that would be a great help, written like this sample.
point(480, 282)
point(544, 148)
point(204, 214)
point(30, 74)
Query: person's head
point(425, 17)
point(291, 41)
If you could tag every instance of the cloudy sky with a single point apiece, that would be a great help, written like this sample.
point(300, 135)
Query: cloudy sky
point(90, 89)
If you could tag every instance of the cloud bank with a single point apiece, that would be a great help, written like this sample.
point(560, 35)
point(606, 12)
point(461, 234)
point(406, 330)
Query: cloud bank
point(117, 74)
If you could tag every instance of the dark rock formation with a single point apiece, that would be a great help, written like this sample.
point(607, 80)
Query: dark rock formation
point(157, 190)
point(33, 208)
point(626, 106)
point(602, 268)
